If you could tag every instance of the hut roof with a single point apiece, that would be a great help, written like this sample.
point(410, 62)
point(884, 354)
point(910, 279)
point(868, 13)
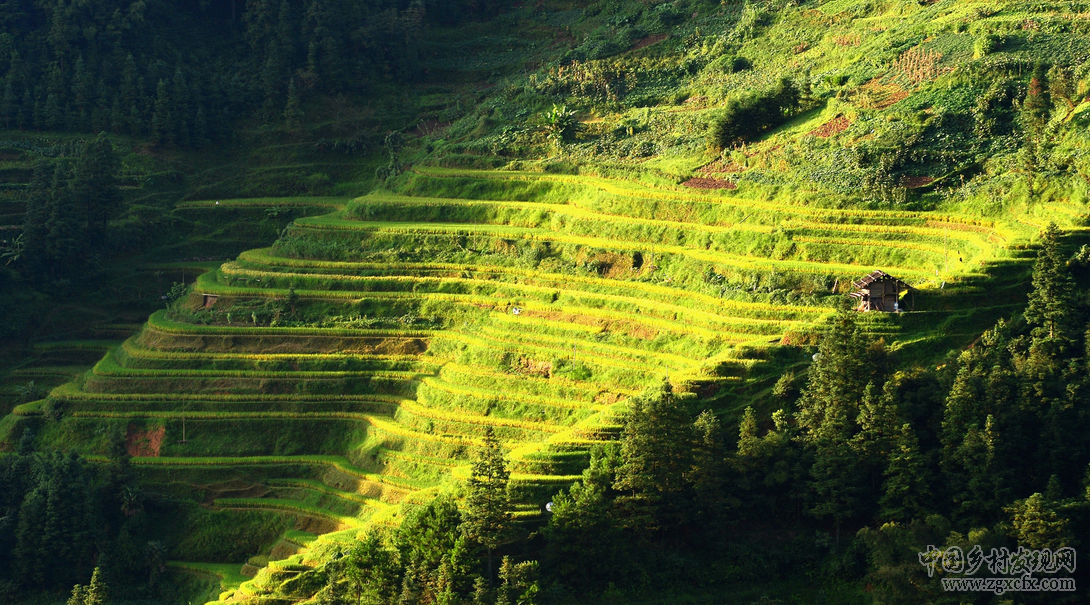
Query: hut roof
point(873, 277)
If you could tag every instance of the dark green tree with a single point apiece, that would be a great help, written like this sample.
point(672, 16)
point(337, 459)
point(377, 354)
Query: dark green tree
point(1050, 303)
point(487, 520)
point(656, 457)
point(584, 546)
point(837, 378)
point(161, 119)
point(293, 111)
point(906, 490)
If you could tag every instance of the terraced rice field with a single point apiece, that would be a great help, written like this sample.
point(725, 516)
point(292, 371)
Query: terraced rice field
point(405, 325)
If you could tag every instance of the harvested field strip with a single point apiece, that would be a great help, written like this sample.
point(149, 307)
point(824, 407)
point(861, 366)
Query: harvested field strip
point(902, 245)
point(420, 459)
point(406, 283)
point(714, 331)
point(76, 345)
point(571, 209)
point(554, 382)
point(423, 411)
point(668, 293)
point(268, 202)
point(135, 350)
point(108, 366)
point(383, 424)
point(48, 371)
point(486, 394)
point(609, 350)
point(721, 258)
point(71, 392)
point(480, 287)
point(498, 342)
point(286, 505)
point(230, 574)
point(632, 189)
point(318, 486)
point(338, 462)
point(160, 322)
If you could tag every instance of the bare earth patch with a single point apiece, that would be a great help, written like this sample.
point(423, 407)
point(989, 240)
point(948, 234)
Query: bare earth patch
point(701, 182)
point(144, 444)
point(833, 127)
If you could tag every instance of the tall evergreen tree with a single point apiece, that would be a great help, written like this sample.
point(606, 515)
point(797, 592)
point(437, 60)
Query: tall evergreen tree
point(1050, 302)
point(656, 454)
point(293, 111)
point(906, 490)
point(161, 119)
point(487, 513)
point(838, 376)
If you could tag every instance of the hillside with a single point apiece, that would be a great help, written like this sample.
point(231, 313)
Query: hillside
point(570, 206)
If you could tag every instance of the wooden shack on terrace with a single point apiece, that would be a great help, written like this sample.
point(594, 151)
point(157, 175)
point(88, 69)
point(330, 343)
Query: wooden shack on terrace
point(880, 291)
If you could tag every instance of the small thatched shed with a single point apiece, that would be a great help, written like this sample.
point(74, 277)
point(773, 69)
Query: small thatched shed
point(880, 291)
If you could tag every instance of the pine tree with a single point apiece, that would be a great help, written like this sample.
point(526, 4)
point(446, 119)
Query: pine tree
point(836, 477)
point(906, 490)
point(79, 595)
point(838, 376)
point(94, 183)
point(1037, 525)
point(180, 108)
point(656, 454)
point(878, 423)
point(488, 520)
point(293, 112)
point(583, 545)
point(8, 110)
point(161, 119)
point(118, 123)
point(1038, 102)
point(129, 92)
point(709, 474)
point(54, 113)
point(97, 592)
point(748, 441)
point(200, 128)
point(1050, 301)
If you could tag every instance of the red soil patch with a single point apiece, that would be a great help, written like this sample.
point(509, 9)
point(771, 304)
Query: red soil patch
point(912, 182)
point(144, 444)
point(835, 126)
point(709, 183)
point(648, 41)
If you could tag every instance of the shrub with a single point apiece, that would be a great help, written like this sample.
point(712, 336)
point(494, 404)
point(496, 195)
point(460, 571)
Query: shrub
point(746, 117)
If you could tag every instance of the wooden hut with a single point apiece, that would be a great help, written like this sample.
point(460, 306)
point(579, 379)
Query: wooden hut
point(880, 291)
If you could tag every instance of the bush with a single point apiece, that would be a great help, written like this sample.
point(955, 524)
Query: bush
point(746, 117)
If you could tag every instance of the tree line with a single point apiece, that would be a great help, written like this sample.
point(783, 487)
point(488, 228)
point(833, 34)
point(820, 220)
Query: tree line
point(64, 522)
point(173, 72)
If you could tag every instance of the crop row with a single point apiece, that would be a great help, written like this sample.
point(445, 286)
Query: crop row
point(631, 189)
point(645, 288)
point(288, 505)
point(318, 486)
point(160, 322)
point(737, 261)
point(108, 366)
point(558, 286)
point(339, 463)
point(542, 215)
